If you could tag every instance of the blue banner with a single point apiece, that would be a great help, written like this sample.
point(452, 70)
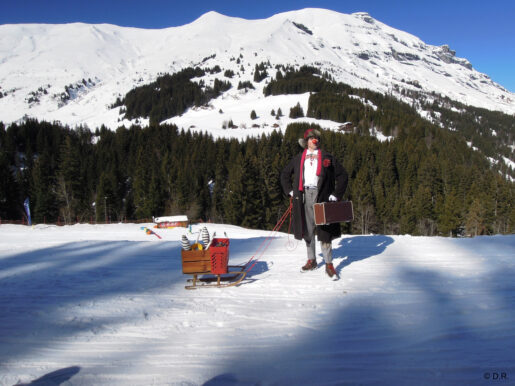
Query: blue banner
point(27, 210)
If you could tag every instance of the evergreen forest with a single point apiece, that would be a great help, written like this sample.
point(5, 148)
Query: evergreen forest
point(432, 177)
point(426, 181)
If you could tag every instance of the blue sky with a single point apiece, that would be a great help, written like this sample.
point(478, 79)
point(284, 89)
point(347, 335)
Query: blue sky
point(481, 31)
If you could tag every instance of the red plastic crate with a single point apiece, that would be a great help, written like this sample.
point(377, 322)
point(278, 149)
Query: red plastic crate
point(219, 251)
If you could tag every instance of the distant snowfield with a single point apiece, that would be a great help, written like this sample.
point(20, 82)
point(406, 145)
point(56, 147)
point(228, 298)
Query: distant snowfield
point(237, 108)
point(106, 304)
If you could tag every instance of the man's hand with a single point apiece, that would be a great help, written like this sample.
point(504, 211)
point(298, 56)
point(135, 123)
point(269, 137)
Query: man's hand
point(332, 198)
point(291, 193)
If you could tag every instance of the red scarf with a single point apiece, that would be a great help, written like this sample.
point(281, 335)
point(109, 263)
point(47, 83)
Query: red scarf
point(319, 167)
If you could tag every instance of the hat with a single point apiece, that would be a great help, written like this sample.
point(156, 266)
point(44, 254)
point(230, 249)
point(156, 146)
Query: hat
point(309, 133)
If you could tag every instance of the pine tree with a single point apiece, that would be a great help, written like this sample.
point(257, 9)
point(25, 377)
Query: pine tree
point(8, 188)
point(474, 222)
point(408, 219)
point(42, 191)
point(204, 199)
point(257, 74)
point(273, 200)
point(424, 211)
point(234, 192)
point(101, 214)
point(220, 177)
point(181, 187)
point(252, 211)
point(154, 203)
point(69, 184)
point(386, 191)
point(362, 198)
point(140, 183)
point(296, 111)
point(504, 211)
point(449, 219)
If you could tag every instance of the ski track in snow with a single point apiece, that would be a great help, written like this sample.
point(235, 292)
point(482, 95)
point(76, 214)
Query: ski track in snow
point(106, 304)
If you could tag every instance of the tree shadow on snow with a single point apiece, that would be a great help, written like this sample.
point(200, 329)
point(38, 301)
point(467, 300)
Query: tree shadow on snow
point(428, 324)
point(41, 288)
point(425, 325)
point(54, 378)
point(222, 380)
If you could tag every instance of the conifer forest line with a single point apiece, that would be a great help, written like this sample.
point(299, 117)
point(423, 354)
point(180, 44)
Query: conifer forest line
point(424, 181)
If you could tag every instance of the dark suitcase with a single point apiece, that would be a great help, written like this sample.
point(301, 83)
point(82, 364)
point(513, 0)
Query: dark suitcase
point(332, 212)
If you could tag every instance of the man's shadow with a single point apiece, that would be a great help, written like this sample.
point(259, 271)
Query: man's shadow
point(359, 248)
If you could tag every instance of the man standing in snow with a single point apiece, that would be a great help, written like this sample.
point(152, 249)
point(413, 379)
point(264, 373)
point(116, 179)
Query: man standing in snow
point(317, 177)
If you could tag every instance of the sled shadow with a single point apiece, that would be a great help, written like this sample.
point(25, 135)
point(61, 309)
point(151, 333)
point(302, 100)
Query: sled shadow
point(357, 248)
point(259, 268)
point(249, 251)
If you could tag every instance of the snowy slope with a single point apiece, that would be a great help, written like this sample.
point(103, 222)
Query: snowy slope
point(99, 63)
point(106, 304)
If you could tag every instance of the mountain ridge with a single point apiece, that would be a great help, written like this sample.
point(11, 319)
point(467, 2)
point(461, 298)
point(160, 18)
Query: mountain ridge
point(39, 62)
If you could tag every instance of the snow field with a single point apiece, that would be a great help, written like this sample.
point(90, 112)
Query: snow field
point(106, 304)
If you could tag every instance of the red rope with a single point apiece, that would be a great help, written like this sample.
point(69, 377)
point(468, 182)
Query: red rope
point(268, 239)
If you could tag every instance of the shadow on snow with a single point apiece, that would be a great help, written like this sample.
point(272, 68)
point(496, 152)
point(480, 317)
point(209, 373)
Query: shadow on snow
point(38, 287)
point(54, 378)
point(435, 327)
point(357, 248)
point(430, 327)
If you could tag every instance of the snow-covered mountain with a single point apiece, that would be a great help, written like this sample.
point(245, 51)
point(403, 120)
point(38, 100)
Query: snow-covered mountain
point(74, 73)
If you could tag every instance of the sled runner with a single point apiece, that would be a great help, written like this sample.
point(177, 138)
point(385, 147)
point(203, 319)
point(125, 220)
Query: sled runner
point(212, 265)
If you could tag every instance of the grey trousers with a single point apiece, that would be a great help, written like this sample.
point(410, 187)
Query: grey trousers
point(310, 196)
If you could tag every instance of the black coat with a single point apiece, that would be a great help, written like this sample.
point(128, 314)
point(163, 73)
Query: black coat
point(332, 180)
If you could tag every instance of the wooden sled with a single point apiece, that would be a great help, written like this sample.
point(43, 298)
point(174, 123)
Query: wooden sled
point(212, 265)
point(230, 279)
